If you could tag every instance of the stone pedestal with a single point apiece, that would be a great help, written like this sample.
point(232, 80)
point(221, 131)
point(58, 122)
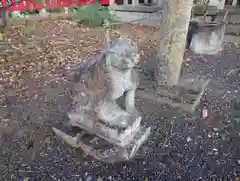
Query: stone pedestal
point(218, 3)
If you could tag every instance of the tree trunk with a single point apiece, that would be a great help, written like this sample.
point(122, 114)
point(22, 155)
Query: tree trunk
point(176, 19)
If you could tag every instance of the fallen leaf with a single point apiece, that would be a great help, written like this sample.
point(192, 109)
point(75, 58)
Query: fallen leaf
point(179, 177)
point(236, 44)
point(99, 179)
point(189, 139)
point(26, 179)
point(1, 135)
point(204, 113)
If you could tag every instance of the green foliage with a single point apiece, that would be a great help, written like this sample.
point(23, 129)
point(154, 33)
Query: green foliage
point(41, 1)
point(196, 2)
point(7, 14)
point(31, 26)
point(199, 2)
point(55, 10)
point(92, 14)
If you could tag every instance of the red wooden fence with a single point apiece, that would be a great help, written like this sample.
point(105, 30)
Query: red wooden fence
point(27, 5)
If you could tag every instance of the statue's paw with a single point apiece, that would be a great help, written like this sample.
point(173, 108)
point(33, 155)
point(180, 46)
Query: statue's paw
point(134, 112)
point(134, 115)
point(124, 123)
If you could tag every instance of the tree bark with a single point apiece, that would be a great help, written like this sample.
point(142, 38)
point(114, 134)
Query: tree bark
point(176, 17)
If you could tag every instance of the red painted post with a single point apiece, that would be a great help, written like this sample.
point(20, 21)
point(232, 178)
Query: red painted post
point(27, 5)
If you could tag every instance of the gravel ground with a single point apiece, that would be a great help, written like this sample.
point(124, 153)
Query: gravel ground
point(182, 147)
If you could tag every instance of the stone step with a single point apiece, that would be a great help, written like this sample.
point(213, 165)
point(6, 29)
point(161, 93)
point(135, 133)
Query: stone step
point(153, 15)
point(234, 23)
point(233, 29)
point(232, 38)
point(230, 18)
point(150, 15)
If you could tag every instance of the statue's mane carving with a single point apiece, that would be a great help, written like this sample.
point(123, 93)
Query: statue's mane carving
point(88, 70)
point(93, 70)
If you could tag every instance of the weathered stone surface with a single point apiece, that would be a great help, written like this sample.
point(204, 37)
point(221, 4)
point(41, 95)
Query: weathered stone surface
point(98, 84)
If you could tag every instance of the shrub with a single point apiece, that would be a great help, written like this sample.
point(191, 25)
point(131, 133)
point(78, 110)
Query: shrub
point(92, 14)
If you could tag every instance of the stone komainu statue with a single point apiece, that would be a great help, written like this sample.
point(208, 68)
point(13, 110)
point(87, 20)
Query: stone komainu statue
point(100, 82)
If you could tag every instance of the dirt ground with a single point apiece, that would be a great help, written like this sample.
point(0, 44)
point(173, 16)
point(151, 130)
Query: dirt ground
point(35, 96)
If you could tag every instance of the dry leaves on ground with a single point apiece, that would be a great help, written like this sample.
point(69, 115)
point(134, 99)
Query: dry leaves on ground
point(48, 48)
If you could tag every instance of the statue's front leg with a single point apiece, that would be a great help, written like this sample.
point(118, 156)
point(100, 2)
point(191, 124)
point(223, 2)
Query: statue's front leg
point(130, 101)
point(112, 114)
point(133, 82)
